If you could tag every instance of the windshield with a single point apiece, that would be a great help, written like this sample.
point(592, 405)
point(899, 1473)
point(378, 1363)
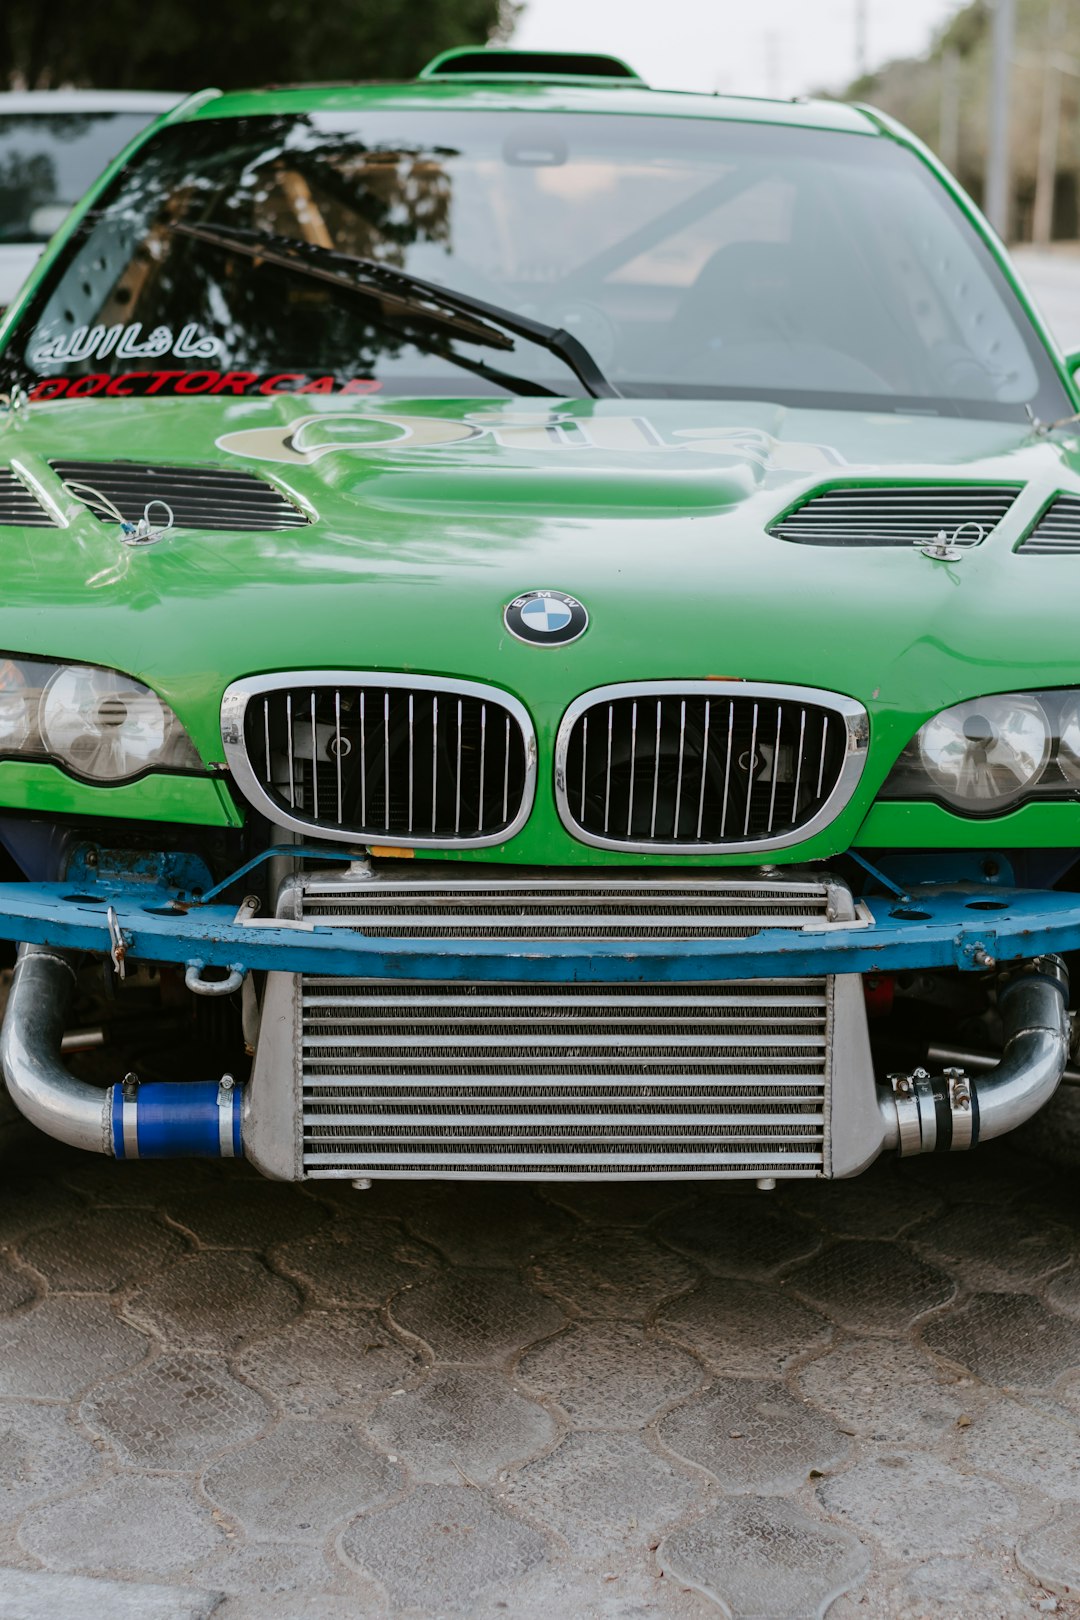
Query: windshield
point(47, 161)
point(693, 258)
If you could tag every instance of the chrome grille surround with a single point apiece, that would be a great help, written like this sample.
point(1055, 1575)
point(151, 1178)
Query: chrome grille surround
point(447, 762)
point(513, 1080)
point(1057, 532)
point(696, 739)
point(895, 514)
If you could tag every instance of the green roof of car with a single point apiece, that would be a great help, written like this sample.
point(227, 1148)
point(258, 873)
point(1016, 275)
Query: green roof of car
point(531, 89)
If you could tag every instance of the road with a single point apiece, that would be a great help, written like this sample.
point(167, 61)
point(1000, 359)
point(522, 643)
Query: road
point(1053, 277)
point(219, 1395)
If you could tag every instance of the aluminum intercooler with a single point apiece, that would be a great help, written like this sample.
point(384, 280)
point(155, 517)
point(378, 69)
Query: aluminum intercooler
point(367, 1078)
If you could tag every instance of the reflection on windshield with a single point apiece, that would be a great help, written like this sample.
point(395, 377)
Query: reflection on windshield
point(691, 257)
point(47, 161)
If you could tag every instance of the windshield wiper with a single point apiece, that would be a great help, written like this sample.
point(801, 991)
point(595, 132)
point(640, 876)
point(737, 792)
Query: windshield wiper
point(399, 292)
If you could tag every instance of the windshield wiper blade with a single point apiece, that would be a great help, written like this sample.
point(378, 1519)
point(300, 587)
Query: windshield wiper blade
point(282, 252)
point(339, 269)
point(472, 319)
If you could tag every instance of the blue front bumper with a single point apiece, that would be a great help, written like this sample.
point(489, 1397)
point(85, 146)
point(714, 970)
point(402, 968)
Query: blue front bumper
point(968, 927)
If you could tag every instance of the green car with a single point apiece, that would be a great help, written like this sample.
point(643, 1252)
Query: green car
point(540, 639)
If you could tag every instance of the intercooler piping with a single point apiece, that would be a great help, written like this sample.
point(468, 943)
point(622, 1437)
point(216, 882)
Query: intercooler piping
point(152, 1120)
point(955, 1110)
point(920, 1113)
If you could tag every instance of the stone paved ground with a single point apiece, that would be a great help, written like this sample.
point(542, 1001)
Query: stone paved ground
point(221, 1395)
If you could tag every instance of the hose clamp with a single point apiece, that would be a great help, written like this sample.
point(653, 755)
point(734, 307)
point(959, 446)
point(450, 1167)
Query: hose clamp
point(961, 1107)
point(934, 1115)
point(226, 1101)
point(129, 1115)
point(914, 1097)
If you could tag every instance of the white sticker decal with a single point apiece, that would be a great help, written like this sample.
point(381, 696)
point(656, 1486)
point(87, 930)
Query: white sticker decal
point(310, 437)
point(314, 436)
point(128, 342)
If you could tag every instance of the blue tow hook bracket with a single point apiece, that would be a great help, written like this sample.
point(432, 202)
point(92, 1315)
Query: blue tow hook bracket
point(163, 1120)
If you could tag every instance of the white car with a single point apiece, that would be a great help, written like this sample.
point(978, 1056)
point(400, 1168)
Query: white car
point(53, 143)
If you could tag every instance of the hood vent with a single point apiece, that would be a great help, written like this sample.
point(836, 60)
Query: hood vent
point(1058, 530)
point(208, 498)
point(897, 515)
point(18, 507)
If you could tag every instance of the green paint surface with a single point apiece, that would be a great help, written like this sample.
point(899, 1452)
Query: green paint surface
point(653, 512)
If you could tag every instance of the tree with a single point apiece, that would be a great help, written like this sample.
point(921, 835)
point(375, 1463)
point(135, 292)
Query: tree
point(178, 45)
point(943, 95)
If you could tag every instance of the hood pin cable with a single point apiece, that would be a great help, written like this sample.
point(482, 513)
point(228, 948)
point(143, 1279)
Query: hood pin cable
point(950, 547)
point(143, 533)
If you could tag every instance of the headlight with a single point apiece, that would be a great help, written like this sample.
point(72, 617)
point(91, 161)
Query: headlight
point(17, 701)
point(101, 725)
point(1069, 740)
point(990, 754)
point(990, 751)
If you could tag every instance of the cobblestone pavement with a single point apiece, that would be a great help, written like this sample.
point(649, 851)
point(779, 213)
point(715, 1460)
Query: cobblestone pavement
point(221, 1395)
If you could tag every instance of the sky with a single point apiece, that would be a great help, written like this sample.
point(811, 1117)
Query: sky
point(743, 47)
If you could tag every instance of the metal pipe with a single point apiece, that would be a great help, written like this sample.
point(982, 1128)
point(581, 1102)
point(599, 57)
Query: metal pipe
point(42, 988)
point(939, 1056)
point(1034, 1005)
point(82, 1040)
point(130, 1121)
point(958, 1109)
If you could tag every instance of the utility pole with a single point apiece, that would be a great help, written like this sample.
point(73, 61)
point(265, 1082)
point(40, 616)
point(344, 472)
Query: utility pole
point(998, 185)
point(1042, 224)
point(861, 55)
point(949, 111)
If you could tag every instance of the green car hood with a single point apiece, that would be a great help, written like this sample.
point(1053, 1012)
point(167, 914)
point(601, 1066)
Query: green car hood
point(430, 516)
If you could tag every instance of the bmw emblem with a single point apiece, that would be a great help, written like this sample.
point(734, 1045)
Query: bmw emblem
point(547, 618)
